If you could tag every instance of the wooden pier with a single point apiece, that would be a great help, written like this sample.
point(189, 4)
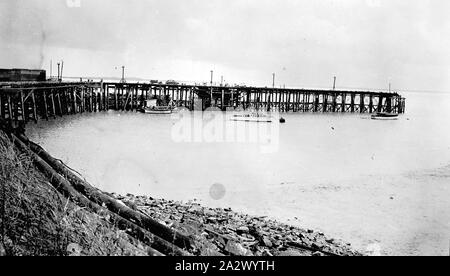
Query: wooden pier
point(21, 102)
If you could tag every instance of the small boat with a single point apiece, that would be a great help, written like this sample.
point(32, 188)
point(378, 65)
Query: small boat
point(152, 108)
point(158, 110)
point(384, 116)
point(252, 117)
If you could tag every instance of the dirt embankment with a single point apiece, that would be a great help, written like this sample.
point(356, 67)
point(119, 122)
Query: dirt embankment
point(35, 219)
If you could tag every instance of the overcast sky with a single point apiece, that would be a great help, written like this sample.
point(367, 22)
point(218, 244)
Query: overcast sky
point(365, 43)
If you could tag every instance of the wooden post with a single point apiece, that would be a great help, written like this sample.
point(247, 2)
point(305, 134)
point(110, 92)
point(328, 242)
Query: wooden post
point(361, 103)
point(58, 95)
point(279, 100)
point(75, 107)
point(45, 105)
point(116, 97)
point(334, 102)
point(85, 92)
point(325, 103)
point(223, 99)
point(380, 104)
point(389, 104)
point(232, 98)
point(2, 107)
point(34, 106)
point(303, 103)
point(191, 104)
point(120, 97)
point(105, 96)
point(131, 91)
point(127, 97)
point(316, 102)
point(247, 100)
point(22, 106)
point(10, 109)
point(53, 103)
point(344, 102)
point(100, 99)
point(142, 97)
point(352, 102)
point(65, 101)
point(310, 104)
point(94, 98)
point(288, 101)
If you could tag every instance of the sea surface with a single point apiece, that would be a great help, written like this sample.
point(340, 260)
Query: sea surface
point(383, 186)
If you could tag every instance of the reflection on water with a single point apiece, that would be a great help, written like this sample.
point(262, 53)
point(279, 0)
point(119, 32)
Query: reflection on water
point(376, 184)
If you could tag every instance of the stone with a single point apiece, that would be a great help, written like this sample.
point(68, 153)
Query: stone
point(266, 241)
point(316, 245)
point(242, 230)
point(194, 209)
point(221, 242)
point(289, 252)
point(237, 249)
point(2, 251)
point(208, 252)
point(73, 249)
point(318, 254)
point(209, 213)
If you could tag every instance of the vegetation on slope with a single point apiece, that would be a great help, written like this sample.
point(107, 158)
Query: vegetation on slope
point(36, 220)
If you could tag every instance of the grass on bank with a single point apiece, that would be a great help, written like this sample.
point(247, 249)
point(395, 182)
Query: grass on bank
point(36, 220)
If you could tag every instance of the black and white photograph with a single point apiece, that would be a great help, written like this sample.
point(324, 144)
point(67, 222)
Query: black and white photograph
point(245, 130)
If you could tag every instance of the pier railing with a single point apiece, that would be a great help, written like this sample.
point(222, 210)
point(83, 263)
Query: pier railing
point(23, 102)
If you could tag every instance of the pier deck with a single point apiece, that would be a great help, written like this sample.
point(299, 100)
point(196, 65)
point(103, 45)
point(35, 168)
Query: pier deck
point(21, 102)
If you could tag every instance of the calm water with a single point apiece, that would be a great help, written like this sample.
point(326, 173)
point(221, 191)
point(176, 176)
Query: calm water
point(381, 185)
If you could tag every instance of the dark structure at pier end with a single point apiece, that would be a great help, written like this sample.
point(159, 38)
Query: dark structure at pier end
point(22, 75)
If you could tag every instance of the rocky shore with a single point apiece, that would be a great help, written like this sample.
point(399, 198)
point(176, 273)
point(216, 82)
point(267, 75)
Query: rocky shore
point(219, 232)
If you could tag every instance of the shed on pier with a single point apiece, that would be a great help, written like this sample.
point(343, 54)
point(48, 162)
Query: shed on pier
point(10, 75)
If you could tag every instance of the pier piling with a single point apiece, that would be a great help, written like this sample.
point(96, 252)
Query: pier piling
point(22, 101)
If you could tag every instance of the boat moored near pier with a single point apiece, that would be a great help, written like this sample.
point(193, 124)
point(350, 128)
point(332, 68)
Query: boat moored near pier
point(384, 116)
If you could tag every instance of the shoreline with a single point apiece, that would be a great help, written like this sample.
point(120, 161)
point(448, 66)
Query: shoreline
point(153, 226)
point(222, 231)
